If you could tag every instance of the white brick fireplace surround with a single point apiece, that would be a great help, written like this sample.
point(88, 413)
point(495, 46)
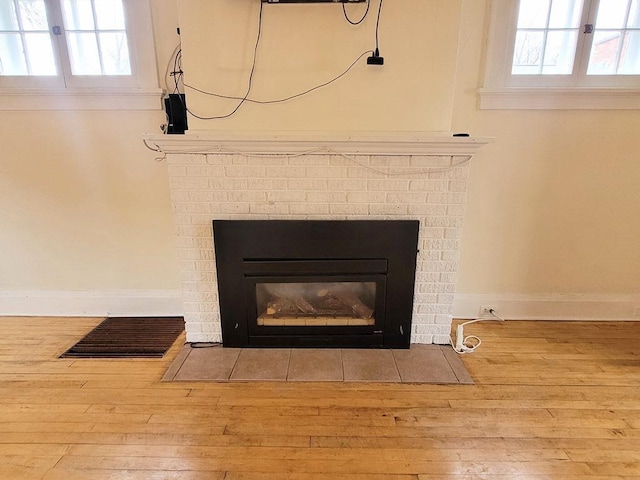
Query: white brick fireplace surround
point(319, 177)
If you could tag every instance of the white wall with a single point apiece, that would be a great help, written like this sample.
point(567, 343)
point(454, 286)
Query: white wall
point(83, 202)
point(85, 208)
point(553, 204)
point(304, 45)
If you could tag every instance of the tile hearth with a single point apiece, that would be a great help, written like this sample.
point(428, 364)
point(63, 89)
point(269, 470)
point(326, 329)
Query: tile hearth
point(419, 364)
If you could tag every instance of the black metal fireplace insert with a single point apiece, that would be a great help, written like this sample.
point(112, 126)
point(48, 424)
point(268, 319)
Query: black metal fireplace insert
point(299, 283)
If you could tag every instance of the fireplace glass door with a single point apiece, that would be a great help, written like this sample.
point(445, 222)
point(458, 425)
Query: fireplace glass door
point(312, 308)
point(316, 304)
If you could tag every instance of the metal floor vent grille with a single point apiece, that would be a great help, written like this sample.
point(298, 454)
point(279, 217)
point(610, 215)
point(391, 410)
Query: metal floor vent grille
point(128, 337)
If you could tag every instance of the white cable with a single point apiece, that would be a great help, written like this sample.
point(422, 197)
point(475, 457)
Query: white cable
point(420, 171)
point(494, 314)
point(286, 155)
point(156, 149)
point(417, 171)
point(470, 343)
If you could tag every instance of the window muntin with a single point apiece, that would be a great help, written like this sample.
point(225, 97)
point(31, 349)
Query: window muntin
point(65, 90)
point(96, 37)
point(502, 89)
point(546, 37)
point(551, 34)
point(97, 44)
point(616, 41)
point(25, 43)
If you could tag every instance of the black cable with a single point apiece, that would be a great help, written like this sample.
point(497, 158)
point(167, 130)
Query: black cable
point(346, 16)
point(177, 71)
point(204, 344)
point(246, 98)
point(281, 100)
point(253, 67)
point(168, 73)
point(178, 76)
point(377, 27)
point(180, 72)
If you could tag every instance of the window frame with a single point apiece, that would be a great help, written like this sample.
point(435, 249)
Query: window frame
point(503, 90)
point(64, 91)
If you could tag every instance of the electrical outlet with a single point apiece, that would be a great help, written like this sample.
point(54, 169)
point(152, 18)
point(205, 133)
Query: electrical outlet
point(637, 312)
point(485, 311)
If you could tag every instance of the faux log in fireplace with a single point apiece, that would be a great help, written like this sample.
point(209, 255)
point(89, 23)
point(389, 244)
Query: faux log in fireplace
point(298, 283)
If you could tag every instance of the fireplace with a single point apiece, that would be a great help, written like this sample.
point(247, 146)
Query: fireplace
point(319, 177)
point(309, 283)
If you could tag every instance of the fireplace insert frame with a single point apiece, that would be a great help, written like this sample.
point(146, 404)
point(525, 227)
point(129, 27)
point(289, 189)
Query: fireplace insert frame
point(323, 250)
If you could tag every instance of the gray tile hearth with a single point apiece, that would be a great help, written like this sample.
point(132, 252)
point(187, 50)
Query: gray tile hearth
point(369, 366)
point(315, 365)
point(208, 364)
point(269, 364)
point(424, 365)
point(419, 364)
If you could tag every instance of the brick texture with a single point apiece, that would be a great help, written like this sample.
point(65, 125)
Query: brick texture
point(431, 189)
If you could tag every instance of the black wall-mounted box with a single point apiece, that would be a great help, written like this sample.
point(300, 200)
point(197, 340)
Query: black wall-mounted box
point(175, 105)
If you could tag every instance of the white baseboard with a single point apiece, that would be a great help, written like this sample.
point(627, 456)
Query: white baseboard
point(550, 307)
point(124, 303)
point(169, 303)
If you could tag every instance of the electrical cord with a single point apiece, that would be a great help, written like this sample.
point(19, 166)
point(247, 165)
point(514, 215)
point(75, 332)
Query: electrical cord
point(417, 171)
point(318, 150)
point(280, 100)
point(246, 95)
point(357, 22)
point(204, 344)
point(178, 74)
point(469, 344)
point(157, 149)
point(376, 59)
point(378, 27)
point(495, 315)
point(172, 59)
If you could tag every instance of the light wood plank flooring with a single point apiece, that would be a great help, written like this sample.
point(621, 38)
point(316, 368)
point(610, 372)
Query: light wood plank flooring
point(551, 401)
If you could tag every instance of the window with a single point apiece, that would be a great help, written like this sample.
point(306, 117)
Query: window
point(25, 46)
point(546, 37)
point(615, 48)
point(563, 54)
point(77, 47)
point(96, 37)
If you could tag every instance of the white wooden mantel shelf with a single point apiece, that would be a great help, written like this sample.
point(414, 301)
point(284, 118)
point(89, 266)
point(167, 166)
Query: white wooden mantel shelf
point(301, 143)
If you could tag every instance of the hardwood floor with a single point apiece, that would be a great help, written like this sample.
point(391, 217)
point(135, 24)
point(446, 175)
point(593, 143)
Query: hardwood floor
point(551, 401)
